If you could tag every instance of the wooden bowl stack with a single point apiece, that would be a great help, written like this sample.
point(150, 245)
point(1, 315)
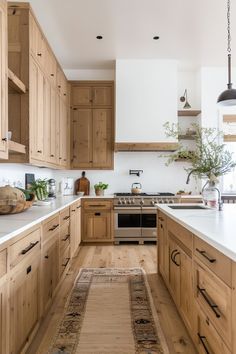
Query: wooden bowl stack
point(13, 200)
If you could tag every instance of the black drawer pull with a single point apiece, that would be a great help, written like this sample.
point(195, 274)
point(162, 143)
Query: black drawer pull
point(73, 210)
point(67, 261)
point(51, 155)
point(4, 139)
point(46, 256)
point(202, 339)
point(174, 253)
point(77, 207)
point(213, 306)
point(66, 238)
point(28, 270)
point(205, 255)
point(54, 227)
point(161, 226)
point(97, 214)
point(39, 54)
point(31, 245)
point(97, 206)
point(66, 217)
point(39, 151)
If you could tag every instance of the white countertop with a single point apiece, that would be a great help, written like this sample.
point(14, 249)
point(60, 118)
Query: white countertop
point(215, 227)
point(13, 224)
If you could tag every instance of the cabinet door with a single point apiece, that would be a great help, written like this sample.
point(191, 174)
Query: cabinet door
point(186, 290)
point(54, 128)
point(50, 271)
point(78, 226)
point(3, 317)
point(102, 138)
point(81, 136)
point(37, 104)
point(3, 81)
point(97, 226)
point(81, 96)
point(63, 133)
point(73, 230)
point(24, 303)
point(163, 249)
point(102, 96)
point(37, 44)
point(174, 270)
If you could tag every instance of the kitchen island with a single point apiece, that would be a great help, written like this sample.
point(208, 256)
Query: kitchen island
point(197, 260)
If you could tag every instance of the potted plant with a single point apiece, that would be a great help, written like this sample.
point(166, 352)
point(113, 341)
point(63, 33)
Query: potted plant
point(100, 188)
point(209, 160)
point(40, 188)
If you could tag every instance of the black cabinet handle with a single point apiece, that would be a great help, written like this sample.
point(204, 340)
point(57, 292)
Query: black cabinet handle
point(39, 151)
point(213, 306)
point(205, 255)
point(203, 339)
point(66, 217)
point(4, 139)
point(28, 270)
point(39, 54)
point(51, 155)
point(27, 249)
point(73, 210)
point(174, 260)
point(174, 253)
point(97, 214)
point(77, 207)
point(54, 227)
point(52, 74)
point(66, 238)
point(46, 256)
point(161, 226)
point(67, 261)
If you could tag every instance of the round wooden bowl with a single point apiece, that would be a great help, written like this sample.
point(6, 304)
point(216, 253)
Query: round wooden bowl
point(15, 206)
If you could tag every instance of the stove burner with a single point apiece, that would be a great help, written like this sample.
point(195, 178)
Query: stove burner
point(162, 194)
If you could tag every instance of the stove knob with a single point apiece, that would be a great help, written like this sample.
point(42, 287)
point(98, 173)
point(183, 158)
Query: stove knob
point(119, 201)
point(141, 201)
point(161, 201)
point(129, 201)
point(124, 201)
point(166, 201)
point(133, 201)
point(171, 201)
point(152, 202)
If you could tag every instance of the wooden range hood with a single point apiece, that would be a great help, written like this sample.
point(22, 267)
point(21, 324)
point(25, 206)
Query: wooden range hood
point(162, 146)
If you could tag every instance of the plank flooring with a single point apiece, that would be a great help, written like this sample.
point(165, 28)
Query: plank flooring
point(119, 256)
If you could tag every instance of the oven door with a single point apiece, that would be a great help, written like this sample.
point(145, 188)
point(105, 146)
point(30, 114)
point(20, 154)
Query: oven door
point(149, 223)
point(127, 222)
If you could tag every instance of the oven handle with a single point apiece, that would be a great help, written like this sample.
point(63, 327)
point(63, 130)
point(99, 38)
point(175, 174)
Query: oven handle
point(118, 209)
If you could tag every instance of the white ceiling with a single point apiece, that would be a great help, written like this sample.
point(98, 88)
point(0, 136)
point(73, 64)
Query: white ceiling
point(191, 31)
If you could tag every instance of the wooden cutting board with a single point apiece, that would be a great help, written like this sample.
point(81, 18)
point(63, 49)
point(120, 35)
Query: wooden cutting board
point(82, 184)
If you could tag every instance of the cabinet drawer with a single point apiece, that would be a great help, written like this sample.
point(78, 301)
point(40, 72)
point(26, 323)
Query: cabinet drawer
point(49, 227)
point(97, 204)
point(64, 237)
point(207, 338)
point(180, 232)
point(3, 262)
point(214, 298)
point(215, 260)
point(22, 248)
point(64, 260)
point(64, 215)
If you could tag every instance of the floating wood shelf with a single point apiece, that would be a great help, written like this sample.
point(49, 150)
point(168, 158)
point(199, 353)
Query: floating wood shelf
point(182, 160)
point(163, 146)
point(188, 113)
point(16, 148)
point(187, 137)
point(229, 137)
point(15, 84)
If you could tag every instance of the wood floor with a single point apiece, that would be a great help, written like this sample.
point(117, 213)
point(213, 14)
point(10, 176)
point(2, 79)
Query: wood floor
point(119, 256)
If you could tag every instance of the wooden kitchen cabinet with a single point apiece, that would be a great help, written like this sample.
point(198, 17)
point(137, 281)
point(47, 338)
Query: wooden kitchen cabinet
point(3, 80)
point(24, 302)
point(97, 224)
point(75, 227)
point(39, 118)
point(92, 126)
point(163, 247)
point(4, 330)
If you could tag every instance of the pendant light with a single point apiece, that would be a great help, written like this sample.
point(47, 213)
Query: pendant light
point(228, 97)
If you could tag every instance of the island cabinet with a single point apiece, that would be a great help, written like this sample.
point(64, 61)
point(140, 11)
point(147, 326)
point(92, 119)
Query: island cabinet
point(92, 125)
point(201, 281)
point(38, 118)
point(24, 283)
point(3, 80)
point(97, 220)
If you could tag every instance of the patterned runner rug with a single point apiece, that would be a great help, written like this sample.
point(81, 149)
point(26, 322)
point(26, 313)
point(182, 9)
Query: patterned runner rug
point(109, 311)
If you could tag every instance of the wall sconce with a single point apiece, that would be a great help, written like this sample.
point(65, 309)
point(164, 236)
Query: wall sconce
point(135, 172)
point(184, 98)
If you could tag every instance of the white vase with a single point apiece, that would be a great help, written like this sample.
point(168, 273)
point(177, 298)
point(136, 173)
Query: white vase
point(210, 195)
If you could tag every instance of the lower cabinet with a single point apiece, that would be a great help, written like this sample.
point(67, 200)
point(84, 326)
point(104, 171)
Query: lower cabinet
point(50, 270)
point(3, 316)
point(24, 302)
point(163, 248)
point(97, 221)
point(75, 227)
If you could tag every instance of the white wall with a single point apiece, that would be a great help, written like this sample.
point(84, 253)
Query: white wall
point(89, 74)
point(146, 97)
point(156, 176)
point(15, 173)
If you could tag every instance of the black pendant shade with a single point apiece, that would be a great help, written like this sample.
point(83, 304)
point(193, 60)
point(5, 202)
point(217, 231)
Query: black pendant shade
point(227, 98)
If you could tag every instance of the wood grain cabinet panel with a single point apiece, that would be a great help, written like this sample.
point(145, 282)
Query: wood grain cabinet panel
point(92, 125)
point(3, 80)
point(4, 335)
point(24, 303)
point(97, 226)
point(163, 247)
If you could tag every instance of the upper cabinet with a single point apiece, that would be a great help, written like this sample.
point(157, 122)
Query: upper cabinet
point(92, 125)
point(39, 118)
point(3, 81)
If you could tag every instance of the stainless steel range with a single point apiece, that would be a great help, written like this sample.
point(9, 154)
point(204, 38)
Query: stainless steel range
point(136, 215)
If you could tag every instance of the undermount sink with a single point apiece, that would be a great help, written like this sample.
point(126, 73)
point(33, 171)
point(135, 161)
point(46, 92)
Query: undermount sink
point(187, 207)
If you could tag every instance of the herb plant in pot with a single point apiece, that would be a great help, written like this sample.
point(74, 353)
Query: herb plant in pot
point(209, 160)
point(100, 188)
point(40, 189)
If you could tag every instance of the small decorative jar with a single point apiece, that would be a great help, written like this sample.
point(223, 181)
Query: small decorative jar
point(210, 195)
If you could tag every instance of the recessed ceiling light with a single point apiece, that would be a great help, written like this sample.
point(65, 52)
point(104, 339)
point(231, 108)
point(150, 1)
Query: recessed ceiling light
point(99, 37)
point(156, 38)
